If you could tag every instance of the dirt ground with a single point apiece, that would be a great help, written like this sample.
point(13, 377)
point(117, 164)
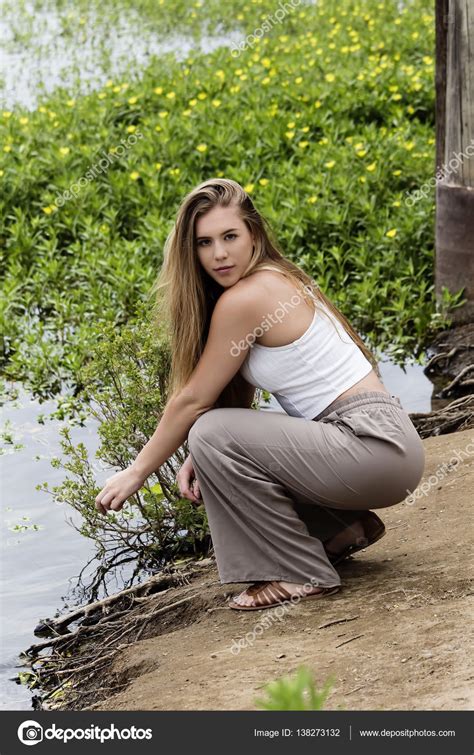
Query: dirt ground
point(396, 637)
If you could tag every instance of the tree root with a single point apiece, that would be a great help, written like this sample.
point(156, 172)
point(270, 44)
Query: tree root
point(456, 416)
point(71, 672)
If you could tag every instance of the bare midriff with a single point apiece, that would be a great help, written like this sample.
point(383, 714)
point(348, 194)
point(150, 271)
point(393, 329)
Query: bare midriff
point(368, 383)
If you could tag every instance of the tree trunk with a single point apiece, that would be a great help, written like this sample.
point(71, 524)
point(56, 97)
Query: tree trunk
point(455, 152)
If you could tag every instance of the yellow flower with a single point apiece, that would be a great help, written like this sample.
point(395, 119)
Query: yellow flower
point(330, 164)
point(132, 100)
point(396, 96)
point(158, 90)
point(157, 166)
point(116, 89)
point(64, 150)
point(371, 167)
point(361, 152)
point(362, 179)
point(24, 121)
point(131, 129)
point(291, 125)
point(312, 199)
point(396, 203)
point(201, 147)
point(7, 148)
point(109, 83)
point(171, 95)
point(263, 181)
point(185, 112)
point(6, 114)
point(305, 129)
point(158, 128)
point(391, 233)
point(317, 103)
point(134, 175)
point(397, 173)
point(49, 209)
point(193, 102)
point(298, 80)
point(409, 145)
point(330, 77)
point(324, 140)
point(202, 96)
point(163, 113)
point(427, 60)
point(216, 103)
point(289, 134)
point(102, 95)
point(303, 144)
point(71, 103)
point(249, 188)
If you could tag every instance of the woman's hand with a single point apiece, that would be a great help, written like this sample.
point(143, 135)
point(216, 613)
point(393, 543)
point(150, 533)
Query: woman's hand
point(187, 483)
point(118, 488)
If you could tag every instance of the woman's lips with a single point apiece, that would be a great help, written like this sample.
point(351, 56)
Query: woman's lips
point(225, 269)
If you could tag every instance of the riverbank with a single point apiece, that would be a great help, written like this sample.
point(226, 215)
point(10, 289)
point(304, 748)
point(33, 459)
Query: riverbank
point(395, 636)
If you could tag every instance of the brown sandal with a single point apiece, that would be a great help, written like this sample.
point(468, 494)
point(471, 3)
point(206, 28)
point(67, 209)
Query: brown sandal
point(269, 594)
point(374, 529)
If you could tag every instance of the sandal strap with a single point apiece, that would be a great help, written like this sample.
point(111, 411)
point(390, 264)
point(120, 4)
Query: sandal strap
point(256, 587)
point(272, 592)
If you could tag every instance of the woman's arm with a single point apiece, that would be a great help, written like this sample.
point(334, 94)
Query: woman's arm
point(235, 317)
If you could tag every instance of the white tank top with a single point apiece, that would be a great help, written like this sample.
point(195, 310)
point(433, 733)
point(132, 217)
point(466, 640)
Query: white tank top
point(305, 376)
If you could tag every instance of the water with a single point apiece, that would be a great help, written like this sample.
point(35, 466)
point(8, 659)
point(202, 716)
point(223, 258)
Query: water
point(36, 567)
point(44, 47)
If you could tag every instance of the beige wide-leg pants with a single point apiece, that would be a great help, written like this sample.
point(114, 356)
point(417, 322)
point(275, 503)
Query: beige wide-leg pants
point(276, 486)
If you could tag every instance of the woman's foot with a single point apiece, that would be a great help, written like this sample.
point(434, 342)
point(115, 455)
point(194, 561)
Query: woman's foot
point(267, 594)
point(365, 531)
point(244, 599)
point(352, 535)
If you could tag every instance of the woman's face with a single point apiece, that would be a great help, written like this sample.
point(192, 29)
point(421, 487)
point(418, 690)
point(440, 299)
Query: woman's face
point(223, 241)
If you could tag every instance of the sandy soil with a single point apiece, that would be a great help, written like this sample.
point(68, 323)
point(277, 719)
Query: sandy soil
point(396, 637)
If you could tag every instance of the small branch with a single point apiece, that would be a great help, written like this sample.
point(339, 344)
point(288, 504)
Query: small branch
point(351, 639)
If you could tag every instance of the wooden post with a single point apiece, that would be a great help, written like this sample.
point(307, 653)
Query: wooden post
point(455, 152)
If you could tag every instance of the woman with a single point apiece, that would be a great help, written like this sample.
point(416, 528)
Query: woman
point(287, 495)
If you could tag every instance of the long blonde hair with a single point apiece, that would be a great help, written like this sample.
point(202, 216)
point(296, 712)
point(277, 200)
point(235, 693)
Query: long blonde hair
point(185, 295)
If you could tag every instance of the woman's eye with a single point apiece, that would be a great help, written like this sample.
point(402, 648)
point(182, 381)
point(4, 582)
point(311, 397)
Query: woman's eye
point(234, 235)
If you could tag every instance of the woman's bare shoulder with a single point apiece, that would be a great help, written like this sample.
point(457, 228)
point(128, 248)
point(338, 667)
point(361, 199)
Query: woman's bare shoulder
point(268, 282)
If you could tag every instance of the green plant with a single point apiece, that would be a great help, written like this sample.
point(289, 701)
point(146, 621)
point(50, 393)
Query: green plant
point(296, 692)
point(124, 384)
